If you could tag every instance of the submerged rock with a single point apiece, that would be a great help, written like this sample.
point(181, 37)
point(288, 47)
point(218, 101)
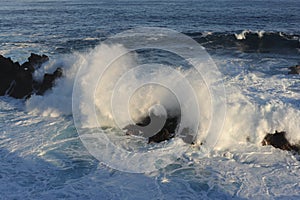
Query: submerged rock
point(294, 69)
point(16, 80)
point(278, 140)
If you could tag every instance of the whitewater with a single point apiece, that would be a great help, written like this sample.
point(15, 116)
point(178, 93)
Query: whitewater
point(42, 152)
point(40, 141)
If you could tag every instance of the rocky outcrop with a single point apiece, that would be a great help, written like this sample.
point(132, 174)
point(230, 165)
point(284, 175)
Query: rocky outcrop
point(159, 128)
point(278, 140)
point(8, 72)
point(48, 81)
point(294, 69)
point(17, 81)
point(165, 133)
point(34, 62)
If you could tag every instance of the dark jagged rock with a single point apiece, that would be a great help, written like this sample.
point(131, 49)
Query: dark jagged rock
point(165, 133)
point(49, 80)
point(161, 136)
point(294, 69)
point(34, 62)
point(22, 84)
point(8, 70)
point(278, 140)
point(16, 80)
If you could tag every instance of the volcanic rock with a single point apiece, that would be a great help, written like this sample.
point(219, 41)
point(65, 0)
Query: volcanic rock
point(34, 62)
point(278, 140)
point(165, 133)
point(294, 69)
point(16, 80)
point(49, 80)
point(21, 86)
point(8, 71)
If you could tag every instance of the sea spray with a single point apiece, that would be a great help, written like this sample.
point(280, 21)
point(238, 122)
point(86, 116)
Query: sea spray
point(58, 100)
point(247, 119)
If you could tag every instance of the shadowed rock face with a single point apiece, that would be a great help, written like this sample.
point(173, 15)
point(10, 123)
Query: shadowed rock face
point(34, 62)
point(294, 69)
point(48, 81)
point(165, 133)
point(8, 72)
point(158, 129)
point(278, 140)
point(16, 80)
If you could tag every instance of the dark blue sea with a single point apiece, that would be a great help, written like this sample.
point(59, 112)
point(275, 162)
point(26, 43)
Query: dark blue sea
point(222, 65)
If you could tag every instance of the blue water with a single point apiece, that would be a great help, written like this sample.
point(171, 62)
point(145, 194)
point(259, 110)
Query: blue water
point(42, 156)
point(60, 26)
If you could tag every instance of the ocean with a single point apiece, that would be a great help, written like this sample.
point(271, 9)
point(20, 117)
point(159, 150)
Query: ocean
point(221, 65)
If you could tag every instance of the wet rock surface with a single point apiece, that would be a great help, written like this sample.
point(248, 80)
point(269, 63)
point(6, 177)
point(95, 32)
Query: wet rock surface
point(17, 80)
point(294, 69)
point(158, 129)
point(278, 140)
point(141, 128)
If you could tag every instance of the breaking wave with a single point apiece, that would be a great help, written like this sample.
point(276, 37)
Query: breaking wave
point(251, 113)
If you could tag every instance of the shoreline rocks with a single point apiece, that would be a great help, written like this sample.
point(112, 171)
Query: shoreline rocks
point(158, 129)
point(48, 81)
point(278, 140)
point(17, 80)
point(294, 69)
point(145, 126)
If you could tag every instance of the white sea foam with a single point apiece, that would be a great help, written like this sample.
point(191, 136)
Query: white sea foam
point(44, 149)
point(57, 101)
point(242, 35)
point(90, 38)
point(46, 155)
point(260, 33)
point(251, 111)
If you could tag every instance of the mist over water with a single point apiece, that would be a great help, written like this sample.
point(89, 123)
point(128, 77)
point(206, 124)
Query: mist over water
point(251, 113)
